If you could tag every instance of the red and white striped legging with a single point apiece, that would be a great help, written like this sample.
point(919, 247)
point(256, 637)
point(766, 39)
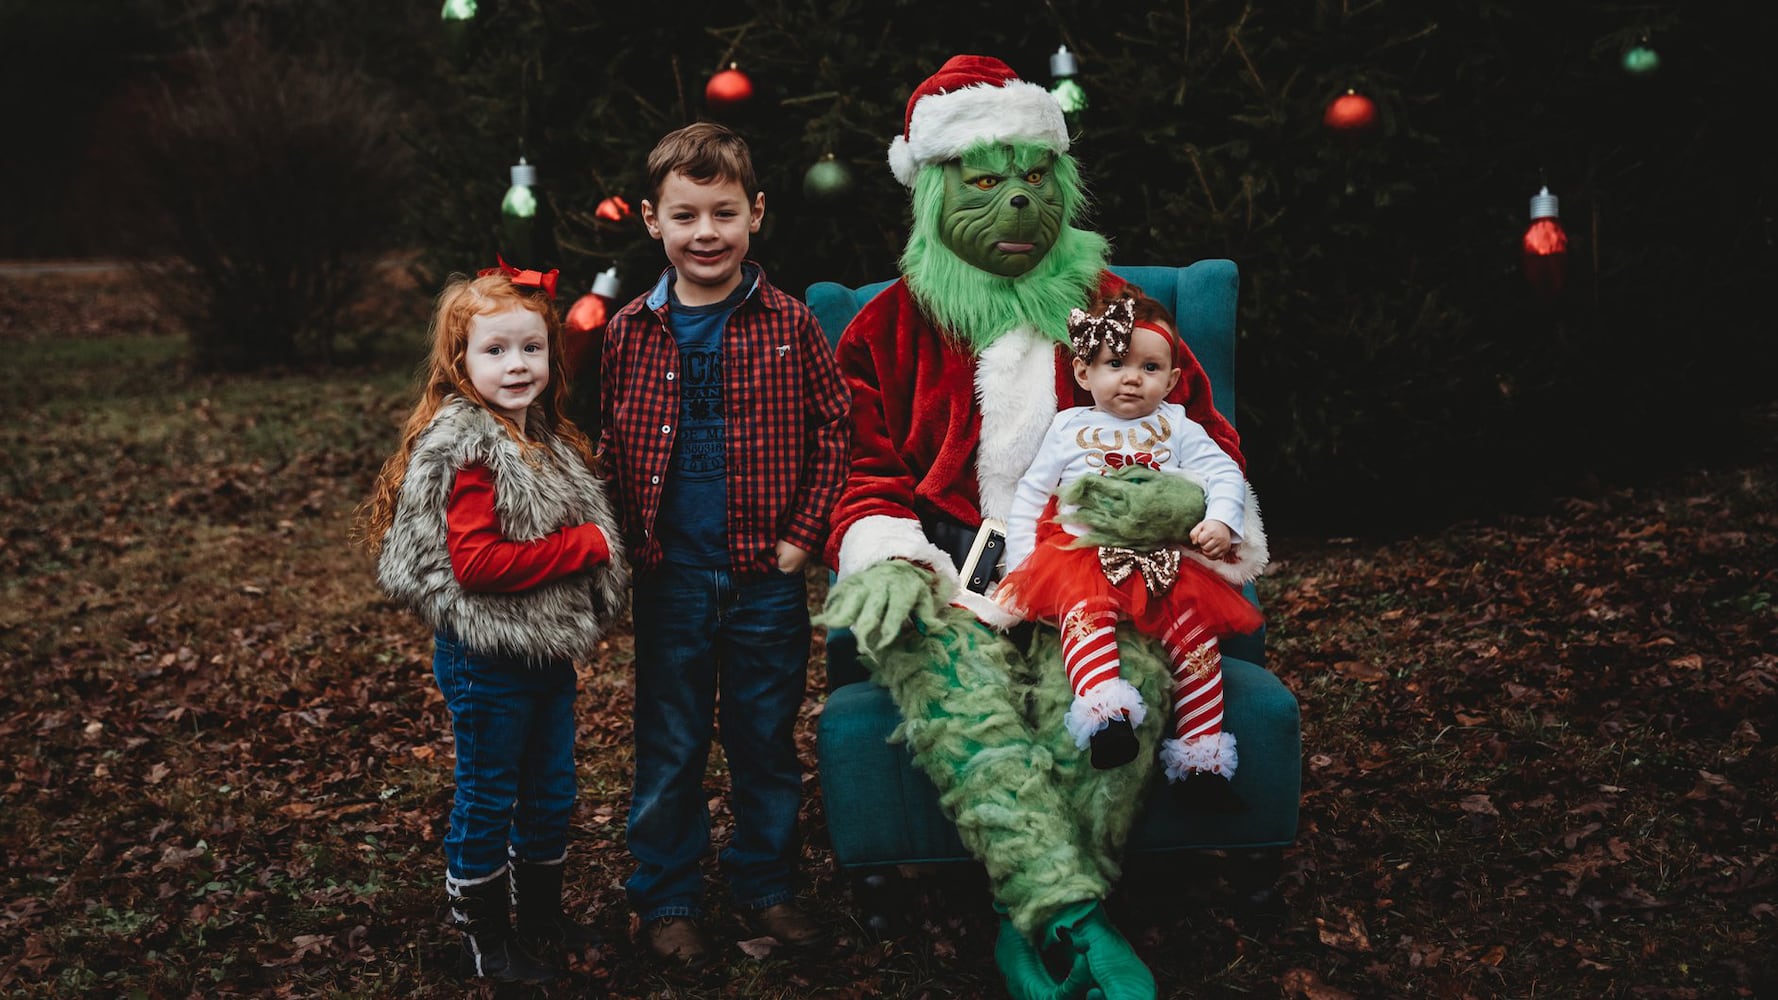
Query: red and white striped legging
point(1089, 654)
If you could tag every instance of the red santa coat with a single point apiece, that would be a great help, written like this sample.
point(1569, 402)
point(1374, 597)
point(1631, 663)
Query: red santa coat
point(938, 427)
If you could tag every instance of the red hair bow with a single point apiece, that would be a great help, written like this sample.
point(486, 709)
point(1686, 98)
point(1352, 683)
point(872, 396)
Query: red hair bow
point(545, 280)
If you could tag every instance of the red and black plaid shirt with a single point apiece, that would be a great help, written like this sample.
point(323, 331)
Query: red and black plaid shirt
point(786, 439)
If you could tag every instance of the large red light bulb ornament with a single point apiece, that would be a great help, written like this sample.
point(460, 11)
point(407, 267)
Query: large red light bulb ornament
point(728, 89)
point(613, 209)
point(1546, 246)
point(584, 326)
point(1350, 112)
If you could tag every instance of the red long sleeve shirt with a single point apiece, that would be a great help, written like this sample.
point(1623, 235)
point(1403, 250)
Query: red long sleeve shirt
point(484, 559)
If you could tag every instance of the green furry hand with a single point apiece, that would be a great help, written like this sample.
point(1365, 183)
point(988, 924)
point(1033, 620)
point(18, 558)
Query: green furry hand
point(1135, 508)
point(876, 603)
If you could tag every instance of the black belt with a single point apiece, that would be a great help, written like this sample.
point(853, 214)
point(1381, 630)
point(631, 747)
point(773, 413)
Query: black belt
point(976, 552)
point(988, 545)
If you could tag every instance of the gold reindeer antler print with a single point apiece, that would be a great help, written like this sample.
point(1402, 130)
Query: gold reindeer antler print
point(1158, 434)
point(1095, 447)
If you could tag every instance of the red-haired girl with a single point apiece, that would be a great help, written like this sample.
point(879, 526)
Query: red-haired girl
point(489, 523)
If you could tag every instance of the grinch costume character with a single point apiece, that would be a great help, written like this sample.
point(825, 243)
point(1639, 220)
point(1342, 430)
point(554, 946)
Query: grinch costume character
point(956, 373)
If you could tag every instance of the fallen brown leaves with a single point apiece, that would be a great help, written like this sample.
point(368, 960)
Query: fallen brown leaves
point(1539, 751)
point(1576, 712)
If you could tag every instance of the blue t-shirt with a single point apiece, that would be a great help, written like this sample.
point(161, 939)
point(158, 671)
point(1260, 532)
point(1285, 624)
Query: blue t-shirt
point(693, 521)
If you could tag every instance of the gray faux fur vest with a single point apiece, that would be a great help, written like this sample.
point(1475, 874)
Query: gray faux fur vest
point(562, 618)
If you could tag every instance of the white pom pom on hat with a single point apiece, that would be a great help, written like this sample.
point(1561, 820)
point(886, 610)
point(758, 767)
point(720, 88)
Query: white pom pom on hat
point(971, 100)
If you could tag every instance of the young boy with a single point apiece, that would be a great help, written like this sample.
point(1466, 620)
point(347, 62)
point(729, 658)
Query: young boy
point(725, 428)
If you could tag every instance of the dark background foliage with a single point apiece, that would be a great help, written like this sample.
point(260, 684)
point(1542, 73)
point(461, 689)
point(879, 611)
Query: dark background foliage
point(266, 191)
point(1396, 368)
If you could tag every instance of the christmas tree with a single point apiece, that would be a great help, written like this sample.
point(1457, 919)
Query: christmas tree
point(1393, 355)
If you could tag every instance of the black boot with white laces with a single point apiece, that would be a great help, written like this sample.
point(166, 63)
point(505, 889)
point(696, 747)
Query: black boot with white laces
point(490, 948)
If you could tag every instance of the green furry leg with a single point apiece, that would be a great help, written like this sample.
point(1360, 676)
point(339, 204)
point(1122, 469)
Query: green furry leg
point(1105, 803)
point(961, 690)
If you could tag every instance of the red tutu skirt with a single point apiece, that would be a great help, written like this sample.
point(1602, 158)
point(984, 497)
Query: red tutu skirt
point(1059, 576)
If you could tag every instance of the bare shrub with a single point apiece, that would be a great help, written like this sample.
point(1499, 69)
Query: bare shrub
point(269, 186)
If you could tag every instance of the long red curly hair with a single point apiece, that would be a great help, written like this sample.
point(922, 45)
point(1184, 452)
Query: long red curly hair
point(445, 374)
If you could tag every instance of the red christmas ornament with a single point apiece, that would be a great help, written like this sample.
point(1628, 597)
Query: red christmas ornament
point(613, 209)
point(584, 326)
point(1545, 246)
point(727, 89)
point(1350, 112)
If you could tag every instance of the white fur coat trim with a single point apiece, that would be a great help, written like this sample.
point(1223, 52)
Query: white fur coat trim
point(1015, 389)
point(871, 540)
point(1251, 553)
point(985, 610)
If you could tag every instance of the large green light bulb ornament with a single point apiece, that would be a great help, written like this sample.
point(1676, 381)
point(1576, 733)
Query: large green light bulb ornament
point(1067, 91)
point(458, 10)
point(1641, 60)
point(518, 217)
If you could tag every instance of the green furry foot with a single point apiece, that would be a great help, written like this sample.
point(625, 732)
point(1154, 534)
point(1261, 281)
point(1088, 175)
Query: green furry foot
point(1116, 969)
point(1027, 979)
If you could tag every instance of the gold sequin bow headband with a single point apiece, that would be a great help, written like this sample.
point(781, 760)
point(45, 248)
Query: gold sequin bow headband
point(1111, 328)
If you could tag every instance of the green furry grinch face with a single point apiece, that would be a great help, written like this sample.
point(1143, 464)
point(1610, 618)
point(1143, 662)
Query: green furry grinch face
point(1002, 208)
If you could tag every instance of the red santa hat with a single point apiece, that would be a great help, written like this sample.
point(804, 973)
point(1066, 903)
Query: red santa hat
point(970, 100)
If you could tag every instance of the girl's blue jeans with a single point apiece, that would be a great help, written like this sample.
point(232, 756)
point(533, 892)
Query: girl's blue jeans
point(704, 637)
point(514, 729)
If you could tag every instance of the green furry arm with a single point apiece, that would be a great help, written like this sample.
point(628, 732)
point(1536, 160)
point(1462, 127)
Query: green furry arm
point(1135, 508)
point(876, 603)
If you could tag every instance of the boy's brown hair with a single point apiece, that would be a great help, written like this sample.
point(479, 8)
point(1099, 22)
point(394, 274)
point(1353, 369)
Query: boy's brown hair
point(704, 152)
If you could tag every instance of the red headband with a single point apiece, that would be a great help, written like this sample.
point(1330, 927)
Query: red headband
point(1172, 339)
point(545, 280)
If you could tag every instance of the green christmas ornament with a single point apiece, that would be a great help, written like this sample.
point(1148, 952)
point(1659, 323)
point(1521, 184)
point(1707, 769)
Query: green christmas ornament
point(518, 216)
point(458, 10)
point(520, 201)
point(1641, 60)
point(828, 181)
point(1067, 91)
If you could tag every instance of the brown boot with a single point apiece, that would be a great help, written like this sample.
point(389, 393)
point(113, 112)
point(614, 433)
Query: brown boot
point(788, 923)
point(679, 942)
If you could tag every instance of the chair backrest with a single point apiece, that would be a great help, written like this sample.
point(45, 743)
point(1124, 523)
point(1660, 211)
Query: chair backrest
point(1201, 297)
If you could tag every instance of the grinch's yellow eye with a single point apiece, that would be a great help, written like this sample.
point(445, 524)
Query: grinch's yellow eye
point(987, 183)
point(1034, 177)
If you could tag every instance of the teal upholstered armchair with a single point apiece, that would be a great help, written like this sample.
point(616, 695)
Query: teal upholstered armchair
point(882, 811)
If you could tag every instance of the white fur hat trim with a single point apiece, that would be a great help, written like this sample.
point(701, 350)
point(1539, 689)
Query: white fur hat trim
point(943, 125)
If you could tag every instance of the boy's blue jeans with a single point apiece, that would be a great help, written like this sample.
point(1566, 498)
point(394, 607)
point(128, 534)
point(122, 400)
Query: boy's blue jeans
point(699, 631)
point(514, 728)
